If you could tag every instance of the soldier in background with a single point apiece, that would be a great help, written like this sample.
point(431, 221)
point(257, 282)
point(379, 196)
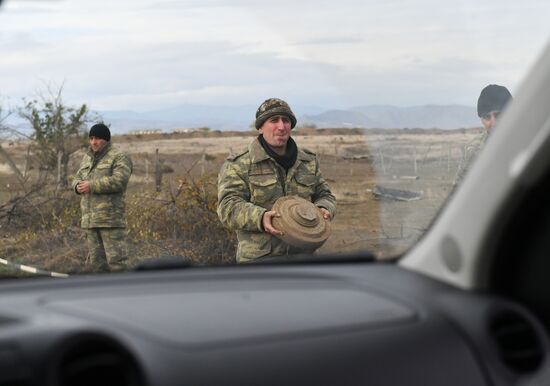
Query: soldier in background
point(271, 167)
point(101, 180)
point(491, 102)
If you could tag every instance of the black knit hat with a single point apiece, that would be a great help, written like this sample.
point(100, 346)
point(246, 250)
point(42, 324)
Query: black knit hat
point(100, 130)
point(492, 98)
point(271, 107)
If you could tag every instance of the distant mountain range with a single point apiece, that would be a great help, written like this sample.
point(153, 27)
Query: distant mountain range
point(386, 117)
point(242, 117)
point(191, 116)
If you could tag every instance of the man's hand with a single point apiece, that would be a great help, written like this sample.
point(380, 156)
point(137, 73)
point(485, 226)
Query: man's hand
point(268, 226)
point(326, 213)
point(83, 187)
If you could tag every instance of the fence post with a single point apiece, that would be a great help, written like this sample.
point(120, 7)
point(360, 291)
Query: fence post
point(382, 160)
point(318, 153)
point(27, 162)
point(59, 155)
point(158, 171)
point(203, 161)
point(415, 166)
point(449, 158)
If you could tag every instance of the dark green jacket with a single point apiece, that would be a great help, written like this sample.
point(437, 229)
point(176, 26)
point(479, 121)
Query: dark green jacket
point(108, 172)
point(249, 183)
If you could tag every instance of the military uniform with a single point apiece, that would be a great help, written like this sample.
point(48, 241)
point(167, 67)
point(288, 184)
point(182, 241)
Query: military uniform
point(470, 151)
point(249, 183)
point(103, 209)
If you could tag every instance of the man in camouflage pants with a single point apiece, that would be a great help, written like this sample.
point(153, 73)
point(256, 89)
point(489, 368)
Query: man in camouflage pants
point(491, 102)
point(272, 166)
point(101, 180)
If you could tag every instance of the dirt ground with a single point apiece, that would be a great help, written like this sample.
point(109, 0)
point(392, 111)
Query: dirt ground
point(422, 163)
point(353, 165)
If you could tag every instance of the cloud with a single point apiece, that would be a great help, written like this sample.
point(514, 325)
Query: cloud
point(147, 54)
point(215, 73)
point(328, 40)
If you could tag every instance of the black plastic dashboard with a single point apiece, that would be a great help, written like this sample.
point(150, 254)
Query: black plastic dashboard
point(326, 324)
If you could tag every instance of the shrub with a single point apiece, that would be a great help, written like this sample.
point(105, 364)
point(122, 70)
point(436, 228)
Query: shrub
point(182, 221)
point(44, 229)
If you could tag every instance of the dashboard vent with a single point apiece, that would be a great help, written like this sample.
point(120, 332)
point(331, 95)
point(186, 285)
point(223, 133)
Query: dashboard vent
point(97, 360)
point(517, 342)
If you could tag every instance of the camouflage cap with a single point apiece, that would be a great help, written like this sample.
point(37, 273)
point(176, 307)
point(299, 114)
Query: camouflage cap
point(271, 107)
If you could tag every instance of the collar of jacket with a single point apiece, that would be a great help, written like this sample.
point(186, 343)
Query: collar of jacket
point(258, 154)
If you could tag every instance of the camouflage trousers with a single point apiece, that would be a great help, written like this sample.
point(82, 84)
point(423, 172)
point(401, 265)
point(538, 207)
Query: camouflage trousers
point(107, 249)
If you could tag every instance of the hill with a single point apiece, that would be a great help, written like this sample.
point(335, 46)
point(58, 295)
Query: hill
point(385, 117)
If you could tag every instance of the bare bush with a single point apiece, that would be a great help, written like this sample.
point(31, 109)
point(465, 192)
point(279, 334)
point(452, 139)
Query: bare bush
point(42, 230)
point(181, 221)
point(42, 227)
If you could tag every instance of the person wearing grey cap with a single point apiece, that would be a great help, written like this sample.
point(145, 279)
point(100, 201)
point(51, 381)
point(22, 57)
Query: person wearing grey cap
point(491, 102)
point(272, 166)
point(101, 183)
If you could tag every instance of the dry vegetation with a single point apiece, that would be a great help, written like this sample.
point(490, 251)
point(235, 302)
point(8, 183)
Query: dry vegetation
point(42, 230)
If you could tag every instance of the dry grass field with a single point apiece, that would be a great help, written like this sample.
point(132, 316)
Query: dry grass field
point(421, 163)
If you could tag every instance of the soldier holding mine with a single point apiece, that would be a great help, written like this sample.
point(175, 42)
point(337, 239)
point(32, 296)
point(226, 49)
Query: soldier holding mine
point(101, 181)
point(271, 167)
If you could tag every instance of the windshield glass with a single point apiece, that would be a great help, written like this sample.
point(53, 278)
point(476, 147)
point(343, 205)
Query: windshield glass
point(132, 130)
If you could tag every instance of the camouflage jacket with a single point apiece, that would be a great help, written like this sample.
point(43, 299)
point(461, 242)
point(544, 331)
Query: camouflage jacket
point(108, 172)
point(249, 183)
point(470, 151)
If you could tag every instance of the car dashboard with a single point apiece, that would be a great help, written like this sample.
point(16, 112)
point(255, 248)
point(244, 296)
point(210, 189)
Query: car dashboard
point(340, 323)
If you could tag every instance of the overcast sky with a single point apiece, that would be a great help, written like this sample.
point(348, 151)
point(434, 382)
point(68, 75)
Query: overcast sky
point(145, 54)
